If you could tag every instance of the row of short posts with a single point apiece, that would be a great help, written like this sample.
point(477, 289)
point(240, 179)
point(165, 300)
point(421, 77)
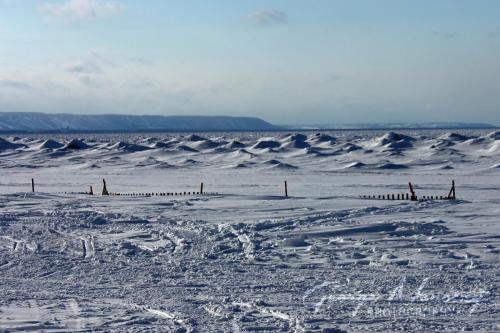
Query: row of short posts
point(413, 196)
point(402, 196)
point(406, 197)
point(161, 194)
point(105, 192)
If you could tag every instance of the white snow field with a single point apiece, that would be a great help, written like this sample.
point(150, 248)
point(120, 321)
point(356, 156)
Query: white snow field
point(245, 258)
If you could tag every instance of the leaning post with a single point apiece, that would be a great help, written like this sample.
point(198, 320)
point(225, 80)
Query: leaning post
point(413, 195)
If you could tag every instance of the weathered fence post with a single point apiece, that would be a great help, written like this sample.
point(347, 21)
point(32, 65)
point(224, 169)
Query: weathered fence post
point(104, 188)
point(452, 195)
point(32, 185)
point(91, 190)
point(201, 188)
point(286, 189)
point(413, 194)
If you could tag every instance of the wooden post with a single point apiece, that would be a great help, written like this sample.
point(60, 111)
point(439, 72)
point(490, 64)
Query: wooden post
point(451, 195)
point(104, 189)
point(286, 189)
point(91, 190)
point(201, 188)
point(413, 194)
point(32, 185)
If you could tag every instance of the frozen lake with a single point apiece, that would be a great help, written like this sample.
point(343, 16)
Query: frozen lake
point(248, 259)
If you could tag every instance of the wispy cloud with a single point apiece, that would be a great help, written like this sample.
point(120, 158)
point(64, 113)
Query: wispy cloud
point(92, 63)
point(84, 67)
point(268, 17)
point(15, 84)
point(90, 71)
point(81, 10)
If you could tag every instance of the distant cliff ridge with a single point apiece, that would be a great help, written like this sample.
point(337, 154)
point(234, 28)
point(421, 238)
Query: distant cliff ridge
point(43, 122)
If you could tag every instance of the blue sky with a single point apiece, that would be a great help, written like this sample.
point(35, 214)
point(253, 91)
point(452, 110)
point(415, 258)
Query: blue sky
point(289, 62)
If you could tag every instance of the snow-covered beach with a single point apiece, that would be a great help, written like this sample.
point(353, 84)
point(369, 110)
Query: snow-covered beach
point(248, 259)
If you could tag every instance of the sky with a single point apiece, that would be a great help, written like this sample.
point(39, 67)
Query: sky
point(288, 62)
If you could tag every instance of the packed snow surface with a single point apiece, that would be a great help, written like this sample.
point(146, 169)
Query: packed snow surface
point(243, 257)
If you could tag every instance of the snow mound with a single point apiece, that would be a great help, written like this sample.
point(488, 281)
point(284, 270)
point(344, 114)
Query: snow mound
point(50, 144)
point(494, 148)
point(350, 147)
point(234, 144)
point(266, 144)
point(161, 145)
point(279, 165)
point(76, 144)
point(238, 166)
point(295, 141)
point(149, 140)
point(453, 137)
point(392, 166)
point(128, 147)
point(393, 140)
point(89, 166)
point(295, 144)
point(150, 161)
point(440, 143)
point(194, 138)
point(354, 165)
point(475, 141)
point(445, 167)
point(187, 162)
point(241, 153)
point(494, 135)
point(7, 145)
point(321, 137)
point(204, 144)
point(294, 137)
point(186, 148)
point(311, 151)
